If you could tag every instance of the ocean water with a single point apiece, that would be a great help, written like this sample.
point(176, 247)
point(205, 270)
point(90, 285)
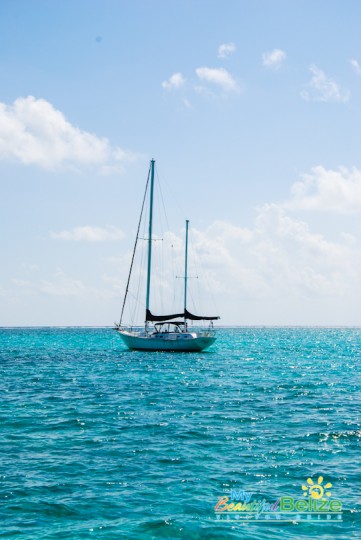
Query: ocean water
point(100, 442)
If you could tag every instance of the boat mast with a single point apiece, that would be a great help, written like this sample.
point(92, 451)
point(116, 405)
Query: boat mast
point(186, 274)
point(150, 234)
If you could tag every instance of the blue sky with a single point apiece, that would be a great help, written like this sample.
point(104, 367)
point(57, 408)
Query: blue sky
point(252, 112)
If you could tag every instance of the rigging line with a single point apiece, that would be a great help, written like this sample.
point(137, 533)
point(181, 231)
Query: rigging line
point(174, 197)
point(200, 271)
point(141, 277)
point(135, 297)
point(163, 252)
point(139, 284)
point(135, 247)
point(160, 196)
point(207, 283)
point(171, 256)
point(159, 250)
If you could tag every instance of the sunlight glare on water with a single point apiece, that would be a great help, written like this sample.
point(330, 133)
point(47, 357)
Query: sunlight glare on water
point(101, 442)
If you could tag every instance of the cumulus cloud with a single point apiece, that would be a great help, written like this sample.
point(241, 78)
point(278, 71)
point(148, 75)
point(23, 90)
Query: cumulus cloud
point(276, 255)
point(87, 233)
point(301, 260)
point(24, 283)
point(218, 76)
point(273, 59)
point(62, 285)
point(355, 66)
point(34, 132)
point(30, 267)
point(276, 270)
point(226, 49)
point(277, 264)
point(323, 88)
point(174, 82)
point(328, 190)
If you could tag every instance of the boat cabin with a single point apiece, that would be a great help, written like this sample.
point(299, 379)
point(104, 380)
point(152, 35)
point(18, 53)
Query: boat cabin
point(168, 327)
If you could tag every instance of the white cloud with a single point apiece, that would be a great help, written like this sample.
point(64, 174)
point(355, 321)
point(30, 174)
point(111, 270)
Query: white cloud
point(274, 272)
point(277, 270)
point(299, 258)
point(323, 88)
point(328, 190)
point(218, 76)
point(356, 66)
point(175, 81)
point(21, 282)
point(186, 104)
point(273, 59)
point(62, 285)
point(279, 257)
point(89, 234)
point(30, 267)
point(33, 132)
point(226, 49)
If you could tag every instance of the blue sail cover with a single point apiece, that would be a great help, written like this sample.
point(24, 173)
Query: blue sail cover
point(161, 318)
point(186, 314)
point(192, 317)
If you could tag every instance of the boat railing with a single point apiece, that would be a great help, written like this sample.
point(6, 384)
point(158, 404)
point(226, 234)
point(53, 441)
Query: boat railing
point(129, 328)
point(205, 332)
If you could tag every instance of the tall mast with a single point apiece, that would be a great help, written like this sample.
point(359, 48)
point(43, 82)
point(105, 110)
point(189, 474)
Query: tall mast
point(150, 232)
point(186, 273)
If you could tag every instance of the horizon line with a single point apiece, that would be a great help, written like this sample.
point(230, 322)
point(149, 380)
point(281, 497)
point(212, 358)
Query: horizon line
point(9, 327)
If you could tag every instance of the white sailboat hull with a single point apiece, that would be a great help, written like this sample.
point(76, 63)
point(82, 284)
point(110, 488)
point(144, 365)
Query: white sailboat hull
point(172, 341)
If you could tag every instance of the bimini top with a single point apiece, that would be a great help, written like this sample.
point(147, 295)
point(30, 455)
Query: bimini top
point(186, 314)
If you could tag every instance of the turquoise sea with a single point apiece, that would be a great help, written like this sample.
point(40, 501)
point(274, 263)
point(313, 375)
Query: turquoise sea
point(100, 442)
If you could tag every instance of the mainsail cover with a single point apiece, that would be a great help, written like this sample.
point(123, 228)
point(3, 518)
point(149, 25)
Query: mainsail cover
point(161, 318)
point(186, 314)
point(192, 317)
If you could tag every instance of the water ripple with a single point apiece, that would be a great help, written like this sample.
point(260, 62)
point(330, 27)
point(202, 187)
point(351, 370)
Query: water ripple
point(100, 442)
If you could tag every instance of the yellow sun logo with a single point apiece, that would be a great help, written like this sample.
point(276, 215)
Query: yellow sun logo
point(316, 491)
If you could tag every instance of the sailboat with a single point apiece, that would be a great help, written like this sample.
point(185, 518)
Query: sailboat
point(165, 332)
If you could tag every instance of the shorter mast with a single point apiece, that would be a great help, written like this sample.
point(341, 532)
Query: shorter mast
point(186, 276)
